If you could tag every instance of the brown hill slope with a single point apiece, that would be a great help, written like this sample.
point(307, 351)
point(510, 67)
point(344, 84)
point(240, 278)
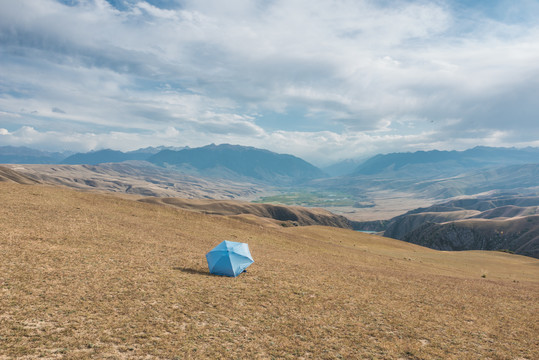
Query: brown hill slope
point(519, 235)
point(85, 275)
point(489, 222)
point(289, 215)
point(509, 211)
point(402, 225)
point(139, 178)
point(8, 174)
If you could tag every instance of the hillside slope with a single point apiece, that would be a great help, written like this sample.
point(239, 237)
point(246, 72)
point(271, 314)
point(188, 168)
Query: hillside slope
point(519, 235)
point(487, 222)
point(86, 275)
point(286, 215)
point(8, 174)
point(139, 178)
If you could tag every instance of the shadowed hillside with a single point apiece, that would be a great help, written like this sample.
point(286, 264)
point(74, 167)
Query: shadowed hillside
point(519, 235)
point(7, 174)
point(489, 222)
point(233, 161)
point(288, 215)
point(86, 275)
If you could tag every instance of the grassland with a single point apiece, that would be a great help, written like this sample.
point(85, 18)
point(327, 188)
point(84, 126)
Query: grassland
point(86, 275)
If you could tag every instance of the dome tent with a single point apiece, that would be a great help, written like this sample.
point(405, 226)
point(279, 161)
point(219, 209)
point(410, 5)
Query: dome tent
point(229, 258)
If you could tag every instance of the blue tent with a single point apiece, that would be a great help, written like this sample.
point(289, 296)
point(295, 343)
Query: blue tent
point(229, 258)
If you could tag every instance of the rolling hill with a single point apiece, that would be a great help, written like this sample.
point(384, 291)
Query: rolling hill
point(87, 275)
point(9, 175)
point(285, 215)
point(488, 222)
point(139, 178)
point(519, 235)
point(159, 186)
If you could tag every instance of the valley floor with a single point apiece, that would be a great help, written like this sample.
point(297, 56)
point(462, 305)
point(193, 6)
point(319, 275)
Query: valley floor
point(386, 205)
point(85, 275)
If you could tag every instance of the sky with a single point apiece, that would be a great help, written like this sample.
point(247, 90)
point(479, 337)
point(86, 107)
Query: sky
point(324, 80)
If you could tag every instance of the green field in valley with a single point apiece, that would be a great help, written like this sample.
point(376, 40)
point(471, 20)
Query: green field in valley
point(310, 199)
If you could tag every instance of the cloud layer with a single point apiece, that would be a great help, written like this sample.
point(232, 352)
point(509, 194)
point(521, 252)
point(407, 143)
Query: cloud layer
point(324, 80)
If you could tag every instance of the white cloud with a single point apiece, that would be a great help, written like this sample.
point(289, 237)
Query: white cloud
point(363, 76)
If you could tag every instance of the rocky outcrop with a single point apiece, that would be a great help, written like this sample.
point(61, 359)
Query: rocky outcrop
point(519, 235)
point(503, 221)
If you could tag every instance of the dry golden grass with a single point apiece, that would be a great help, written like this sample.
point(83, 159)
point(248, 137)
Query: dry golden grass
point(86, 275)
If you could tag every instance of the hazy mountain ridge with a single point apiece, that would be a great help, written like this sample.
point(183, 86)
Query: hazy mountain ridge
point(440, 174)
point(114, 156)
point(103, 156)
point(232, 160)
point(343, 167)
point(224, 161)
point(25, 155)
point(426, 164)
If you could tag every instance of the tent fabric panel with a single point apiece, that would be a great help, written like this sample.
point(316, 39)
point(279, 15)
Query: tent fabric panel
point(243, 249)
point(223, 267)
point(221, 247)
point(239, 263)
point(239, 259)
point(213, 257)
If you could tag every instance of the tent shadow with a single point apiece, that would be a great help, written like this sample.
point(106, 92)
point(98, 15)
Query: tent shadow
point(192, 271)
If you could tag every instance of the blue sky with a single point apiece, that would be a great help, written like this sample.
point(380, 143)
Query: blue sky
point(323, 80)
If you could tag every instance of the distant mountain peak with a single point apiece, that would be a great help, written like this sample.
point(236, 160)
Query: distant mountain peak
point(444, 162)
point(229, 160)
point(26, 155)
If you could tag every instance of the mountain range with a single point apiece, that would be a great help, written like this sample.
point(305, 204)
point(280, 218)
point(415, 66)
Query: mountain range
point(229, 161)
point(232, 160)
point(429, 164)
point(114, 156)
point(223, 161)
point(25, 155)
